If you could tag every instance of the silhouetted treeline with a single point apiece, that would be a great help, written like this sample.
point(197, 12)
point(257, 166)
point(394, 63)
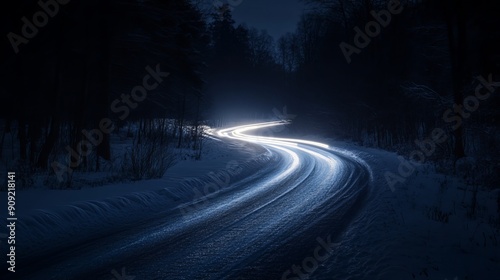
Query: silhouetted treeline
point(382, 73)
point(69, 65)
point(419, 72)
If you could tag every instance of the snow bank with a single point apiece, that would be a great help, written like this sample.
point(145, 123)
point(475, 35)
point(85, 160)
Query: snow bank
point(64, 218)
point(421, 230)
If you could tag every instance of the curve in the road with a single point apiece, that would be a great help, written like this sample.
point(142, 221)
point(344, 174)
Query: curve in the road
point(257, 229)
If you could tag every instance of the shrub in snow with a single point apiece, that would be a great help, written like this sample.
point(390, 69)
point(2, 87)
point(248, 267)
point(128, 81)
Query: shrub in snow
point(148, 159)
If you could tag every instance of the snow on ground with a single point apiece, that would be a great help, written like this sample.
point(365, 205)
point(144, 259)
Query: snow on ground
point(216, 156)
point(421, 230)
point(115, 205)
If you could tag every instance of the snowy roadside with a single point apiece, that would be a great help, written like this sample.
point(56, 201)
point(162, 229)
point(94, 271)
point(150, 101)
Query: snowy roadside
point(90, 211)
point(421, 230)
point(216, 157)
point(418, 231)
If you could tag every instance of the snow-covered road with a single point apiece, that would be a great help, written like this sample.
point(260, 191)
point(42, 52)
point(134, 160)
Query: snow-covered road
point(268, 225)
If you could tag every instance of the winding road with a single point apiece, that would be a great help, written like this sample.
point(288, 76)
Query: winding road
point(281, 222)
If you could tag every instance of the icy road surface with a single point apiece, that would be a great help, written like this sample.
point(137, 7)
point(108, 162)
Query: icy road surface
point(274, 224)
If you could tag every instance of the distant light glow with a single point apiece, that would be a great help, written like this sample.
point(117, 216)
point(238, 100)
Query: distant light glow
point(238, 134)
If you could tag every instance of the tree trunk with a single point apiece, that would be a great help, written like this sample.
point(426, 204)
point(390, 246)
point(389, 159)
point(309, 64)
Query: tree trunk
point(49, 144)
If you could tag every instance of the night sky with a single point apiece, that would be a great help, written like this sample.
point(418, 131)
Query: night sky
point(278, 16)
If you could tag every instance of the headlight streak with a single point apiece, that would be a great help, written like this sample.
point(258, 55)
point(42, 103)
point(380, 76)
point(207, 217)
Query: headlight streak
point(262, 212)
point(212, 211)
point(281, 144)
point(290, 169)
point(237, 133)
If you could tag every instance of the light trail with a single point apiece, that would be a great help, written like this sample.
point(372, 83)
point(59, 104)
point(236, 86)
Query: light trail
point(238, 134)
point(253, 227)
